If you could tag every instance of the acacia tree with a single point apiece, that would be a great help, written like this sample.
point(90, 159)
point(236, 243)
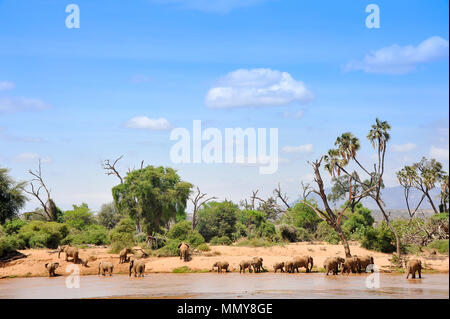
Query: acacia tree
point(341, 187)
point(423, 176)
point(12, 198)
point(152, 196)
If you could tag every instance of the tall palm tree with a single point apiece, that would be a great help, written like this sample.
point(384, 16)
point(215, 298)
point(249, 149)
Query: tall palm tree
point(347, 145)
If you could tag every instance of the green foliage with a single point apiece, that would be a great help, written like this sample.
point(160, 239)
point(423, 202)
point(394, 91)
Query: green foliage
point(169, 250)
point(288, 232)
point(9, 244)
point(122, 235)
point(326, 233)
point(223, 240)
point(302, 216)
point(240, 231)
point(182, 231)
point(440, 245)
point(39, 234)
point(79, 217)
point(109, 216)
point(92, 234)
point(380, 238)
point(181, 270)
point(12, 198)
point(217, 219)
point(153, 196)
point(13, 226)
point(204, 247)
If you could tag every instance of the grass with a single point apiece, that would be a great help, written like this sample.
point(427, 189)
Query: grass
point(187, 270)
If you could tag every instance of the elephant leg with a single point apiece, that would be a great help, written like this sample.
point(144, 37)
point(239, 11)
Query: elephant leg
point(420, 273)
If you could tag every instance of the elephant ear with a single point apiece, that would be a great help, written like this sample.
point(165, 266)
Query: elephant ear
point(180, 245)
point(187, 245)
point(46, 265)
point(56, 265)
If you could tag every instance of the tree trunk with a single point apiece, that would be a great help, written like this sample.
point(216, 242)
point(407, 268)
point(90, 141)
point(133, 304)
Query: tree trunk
point(386, 218)
point(431, 202)
point(344, 241)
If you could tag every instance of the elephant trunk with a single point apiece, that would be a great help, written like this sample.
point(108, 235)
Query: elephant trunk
point(312, 264)
point(131, 266)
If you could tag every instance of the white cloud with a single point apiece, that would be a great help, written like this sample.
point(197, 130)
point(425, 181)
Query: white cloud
point(144, 122)
point(6, 85)
point(440, 154)
point(17, 104)
point(403, 147)
point(402, 59)
point(214, 6)
point(31, 157)
point(257, 88)
point(304, 149)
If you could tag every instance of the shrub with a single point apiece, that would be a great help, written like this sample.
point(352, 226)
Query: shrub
point(195, 239)
point(93, 234)
point(122, 235)
point(39, 234)
point(80, 217)
point(203, 247)
point(380, 239)
point(9, 244)
point(302, 216)
point(240, 231)
point(255, 242)
point(13, 226)
point(180, 230)
point(440, 245)
point(223, 240)
point(288, 232)
point(169, 250)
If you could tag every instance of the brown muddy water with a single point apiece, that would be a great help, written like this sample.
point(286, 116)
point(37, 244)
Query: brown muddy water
point(230, 285)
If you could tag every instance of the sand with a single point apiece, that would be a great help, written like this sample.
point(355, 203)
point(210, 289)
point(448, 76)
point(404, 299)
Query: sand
point(33, 265)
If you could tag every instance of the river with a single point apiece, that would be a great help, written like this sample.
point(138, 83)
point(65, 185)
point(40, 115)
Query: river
point(231, 285)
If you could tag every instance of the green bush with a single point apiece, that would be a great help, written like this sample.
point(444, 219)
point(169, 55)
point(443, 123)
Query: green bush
point(223, 240)
point(40, 234)
point(93, 234)
point(10, 244)
point(169, 250)
point(379, 239)
point(302, 216)
point(195, 239)
point(80, 217)
point(217, 219)
point(255, 242)
point(180, 230)
point(13, 226)
point(440, 245)
point(288, 232)
point(122, 235)
point(203, 247)
point(240, 231)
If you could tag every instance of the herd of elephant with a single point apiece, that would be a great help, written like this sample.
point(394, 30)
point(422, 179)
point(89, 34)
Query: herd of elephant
point(332, 265)
point(104, 267)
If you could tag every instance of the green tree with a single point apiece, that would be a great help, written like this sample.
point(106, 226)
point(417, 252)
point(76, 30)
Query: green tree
point(109, 216)
point(152, 196)
point(302, 216)
point(79, 217)
point(12, 198)
point(217, 219)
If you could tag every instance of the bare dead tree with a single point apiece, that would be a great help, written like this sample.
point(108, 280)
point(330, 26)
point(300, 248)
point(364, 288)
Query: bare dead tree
point(283, 198)
point(306, 190)
point(48, 205)
point(110, 168)
point(198, 201)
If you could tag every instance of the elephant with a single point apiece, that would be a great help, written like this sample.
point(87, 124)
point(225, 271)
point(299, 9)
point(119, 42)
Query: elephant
point(138, 267)
point(221, 265)
point(279, 266)
point(331, 264)
point(289, 266)
point(366, 261)
point(123, 255)
point(351, 264)
point(303, 261)
point(105, 267)
point(244, 265)
point(51, 267)
point(69, 251)
point(83, 262)
point(257, 264)
point(184, 251)
point(412, 266)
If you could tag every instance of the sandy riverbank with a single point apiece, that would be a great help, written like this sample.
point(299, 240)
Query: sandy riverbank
point(33, 265)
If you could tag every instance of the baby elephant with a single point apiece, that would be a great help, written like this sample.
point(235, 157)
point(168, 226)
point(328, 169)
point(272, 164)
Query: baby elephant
point(244, 265)
point(123, 255)
point(105, 267)
point(257, 263)
point(279, 266)
point(138, 267)
point(331, 264)
point(51, 267)
point(412, 266)
point(221, 265)
point(289, 266)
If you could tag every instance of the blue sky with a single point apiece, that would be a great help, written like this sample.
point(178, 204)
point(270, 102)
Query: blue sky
point(66, 95)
